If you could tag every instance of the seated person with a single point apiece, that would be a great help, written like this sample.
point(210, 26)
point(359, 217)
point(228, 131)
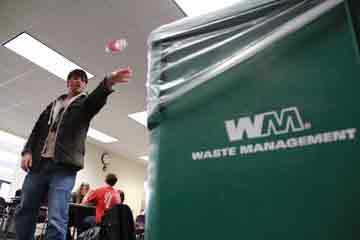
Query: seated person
point(140, 222)
point(140, 225)
point(17, 197)
point(104, 198)
point(18, 193)
point(78, 196)
point(122, 195)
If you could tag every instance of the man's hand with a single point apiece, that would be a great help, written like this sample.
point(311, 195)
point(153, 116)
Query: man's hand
point(26, 162)
point(120, 76)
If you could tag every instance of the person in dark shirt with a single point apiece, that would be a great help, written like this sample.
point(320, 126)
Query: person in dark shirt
point(18, 193)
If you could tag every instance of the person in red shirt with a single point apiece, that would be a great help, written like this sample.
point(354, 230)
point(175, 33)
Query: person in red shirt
point(104, 198)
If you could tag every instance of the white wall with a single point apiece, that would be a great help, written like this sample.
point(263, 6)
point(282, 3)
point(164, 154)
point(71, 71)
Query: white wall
point(10, 148)
point(130, 173)
point(18, 179)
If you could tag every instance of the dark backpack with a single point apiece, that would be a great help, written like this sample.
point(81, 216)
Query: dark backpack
point(118, 224)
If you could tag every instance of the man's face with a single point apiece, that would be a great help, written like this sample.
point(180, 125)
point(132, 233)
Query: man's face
point(76, 86)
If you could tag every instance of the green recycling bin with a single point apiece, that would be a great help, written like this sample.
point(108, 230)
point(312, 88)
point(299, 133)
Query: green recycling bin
point(253, 120)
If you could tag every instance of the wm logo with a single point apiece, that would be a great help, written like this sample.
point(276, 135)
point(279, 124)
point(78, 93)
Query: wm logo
point(266, 124)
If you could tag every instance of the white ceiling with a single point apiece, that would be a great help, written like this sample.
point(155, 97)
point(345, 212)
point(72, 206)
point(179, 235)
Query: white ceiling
point(79, 29)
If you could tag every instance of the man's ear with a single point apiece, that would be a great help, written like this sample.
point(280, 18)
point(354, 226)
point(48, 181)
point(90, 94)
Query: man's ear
point(67, 83)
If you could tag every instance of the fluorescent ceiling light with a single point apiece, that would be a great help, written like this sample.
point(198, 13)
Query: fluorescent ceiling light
point(194, 8)
point(38, 53)
point(140, 117)
point(102, 137)
point(145, 158)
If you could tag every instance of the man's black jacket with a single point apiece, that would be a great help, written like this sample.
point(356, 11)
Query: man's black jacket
point(73, 128)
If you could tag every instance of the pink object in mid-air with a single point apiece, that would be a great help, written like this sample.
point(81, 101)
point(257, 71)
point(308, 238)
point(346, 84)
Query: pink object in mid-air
point(114, 46)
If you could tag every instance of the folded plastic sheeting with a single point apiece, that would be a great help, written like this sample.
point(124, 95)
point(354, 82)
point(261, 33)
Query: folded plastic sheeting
point(221, 41)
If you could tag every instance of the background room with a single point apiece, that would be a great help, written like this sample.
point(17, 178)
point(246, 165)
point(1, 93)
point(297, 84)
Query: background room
point(78, 32)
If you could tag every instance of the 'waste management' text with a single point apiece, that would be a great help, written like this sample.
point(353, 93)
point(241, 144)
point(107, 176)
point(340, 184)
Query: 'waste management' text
point(321, 138)
point(272, 123)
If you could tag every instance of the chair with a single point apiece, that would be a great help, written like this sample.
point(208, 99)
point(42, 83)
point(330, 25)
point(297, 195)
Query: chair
point(3, 206)
point(8, 221)
point(118, 223)
point(9, 228)
point(42, 220)
point(140, 227)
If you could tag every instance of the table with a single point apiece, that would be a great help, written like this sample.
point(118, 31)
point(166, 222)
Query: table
point(77, 212)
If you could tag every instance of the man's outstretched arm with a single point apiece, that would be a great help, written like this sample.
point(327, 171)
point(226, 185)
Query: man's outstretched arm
point(97, 98)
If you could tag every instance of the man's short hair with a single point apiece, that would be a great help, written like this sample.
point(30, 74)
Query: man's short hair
point(111, 179)
point(78, 73)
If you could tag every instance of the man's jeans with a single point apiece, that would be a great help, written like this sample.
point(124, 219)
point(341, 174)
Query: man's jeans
point(57, 182)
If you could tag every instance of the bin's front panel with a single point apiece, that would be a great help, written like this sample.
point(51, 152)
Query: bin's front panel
point(268, 149)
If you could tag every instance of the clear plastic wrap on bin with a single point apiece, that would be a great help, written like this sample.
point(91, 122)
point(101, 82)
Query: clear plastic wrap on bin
point(176, 47)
